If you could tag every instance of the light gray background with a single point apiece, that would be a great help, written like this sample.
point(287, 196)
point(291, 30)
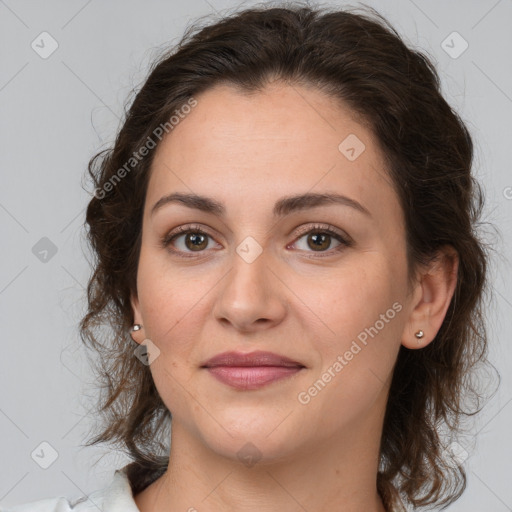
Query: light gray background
point(56, 112)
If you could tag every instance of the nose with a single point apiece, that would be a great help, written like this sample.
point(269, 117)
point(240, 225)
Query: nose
point(251, 297)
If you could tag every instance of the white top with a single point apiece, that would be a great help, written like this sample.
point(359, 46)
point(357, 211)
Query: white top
point(115, 497)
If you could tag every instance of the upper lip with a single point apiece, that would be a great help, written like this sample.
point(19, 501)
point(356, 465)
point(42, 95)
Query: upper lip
point(258, 358)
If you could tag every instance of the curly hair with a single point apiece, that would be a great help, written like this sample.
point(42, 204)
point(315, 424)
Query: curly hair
point(356, 58)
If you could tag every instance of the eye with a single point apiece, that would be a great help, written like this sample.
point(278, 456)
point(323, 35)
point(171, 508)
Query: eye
point(189, 239)
point(319, 239)
point(193, 239)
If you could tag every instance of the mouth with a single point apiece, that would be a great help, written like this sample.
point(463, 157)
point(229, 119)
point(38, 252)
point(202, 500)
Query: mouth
point(251, 371)
point(251, 359)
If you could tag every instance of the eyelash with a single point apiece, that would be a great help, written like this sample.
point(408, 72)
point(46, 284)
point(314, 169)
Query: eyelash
point(316, 229)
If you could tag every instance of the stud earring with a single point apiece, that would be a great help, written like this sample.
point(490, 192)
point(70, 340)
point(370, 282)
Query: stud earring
point(137, 327)
point(419, 335)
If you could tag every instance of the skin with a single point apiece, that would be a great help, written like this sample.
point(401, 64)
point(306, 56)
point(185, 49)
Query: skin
point(247, 152)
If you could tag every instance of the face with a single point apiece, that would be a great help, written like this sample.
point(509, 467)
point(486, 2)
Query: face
point(322, 283)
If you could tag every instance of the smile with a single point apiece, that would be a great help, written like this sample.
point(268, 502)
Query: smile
point(252, 377)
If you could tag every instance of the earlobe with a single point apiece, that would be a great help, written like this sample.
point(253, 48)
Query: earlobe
point(432, 297)
point(136, 331)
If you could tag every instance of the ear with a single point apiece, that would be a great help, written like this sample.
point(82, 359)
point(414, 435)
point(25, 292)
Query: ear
point(432, 295)
point(137, 336)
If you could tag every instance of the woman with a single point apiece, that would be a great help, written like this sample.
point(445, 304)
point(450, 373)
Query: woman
point(285, 227)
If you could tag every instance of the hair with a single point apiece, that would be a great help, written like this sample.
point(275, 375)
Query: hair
point(360, 61)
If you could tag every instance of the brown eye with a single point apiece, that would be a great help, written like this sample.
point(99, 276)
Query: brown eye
point(186, 241)
point(196, 241)
point(318, 241)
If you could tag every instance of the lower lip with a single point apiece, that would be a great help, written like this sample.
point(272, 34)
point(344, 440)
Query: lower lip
point(251, 377)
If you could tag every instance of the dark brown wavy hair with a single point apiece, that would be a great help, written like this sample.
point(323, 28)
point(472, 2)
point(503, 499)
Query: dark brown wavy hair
point(354, 56)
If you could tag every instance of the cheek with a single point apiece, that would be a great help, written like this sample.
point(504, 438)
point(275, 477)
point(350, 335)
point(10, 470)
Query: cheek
point(359, 348)
point(170, 308)
point(170, 297)
point(360, 330)
point(354, 297)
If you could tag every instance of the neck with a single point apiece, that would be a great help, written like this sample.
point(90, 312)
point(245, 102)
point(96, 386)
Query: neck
point(337, 474)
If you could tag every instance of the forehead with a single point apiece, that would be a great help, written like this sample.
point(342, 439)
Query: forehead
point(280, 141)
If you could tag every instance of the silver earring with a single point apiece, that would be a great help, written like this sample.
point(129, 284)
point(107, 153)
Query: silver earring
point(137, 327)
point(419, 335)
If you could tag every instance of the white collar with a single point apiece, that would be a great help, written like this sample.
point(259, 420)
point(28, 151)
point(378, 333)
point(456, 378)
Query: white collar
point(116, 497)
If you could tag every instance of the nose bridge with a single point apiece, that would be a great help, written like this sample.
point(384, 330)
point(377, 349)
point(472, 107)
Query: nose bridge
point(251, 291)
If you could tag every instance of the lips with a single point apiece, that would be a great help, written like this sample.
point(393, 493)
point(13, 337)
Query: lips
point(251, 371)
point(252, 359)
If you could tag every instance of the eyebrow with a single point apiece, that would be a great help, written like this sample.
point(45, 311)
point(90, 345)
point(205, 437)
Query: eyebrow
point(282, 207)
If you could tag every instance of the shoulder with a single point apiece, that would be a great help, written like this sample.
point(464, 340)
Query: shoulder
point(115, 497)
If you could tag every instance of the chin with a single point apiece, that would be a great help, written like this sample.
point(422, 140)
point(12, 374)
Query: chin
point(252, 441)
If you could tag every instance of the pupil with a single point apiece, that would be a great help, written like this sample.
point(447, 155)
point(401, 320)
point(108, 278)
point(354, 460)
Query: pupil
point(195, 239)
point(316, 237)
